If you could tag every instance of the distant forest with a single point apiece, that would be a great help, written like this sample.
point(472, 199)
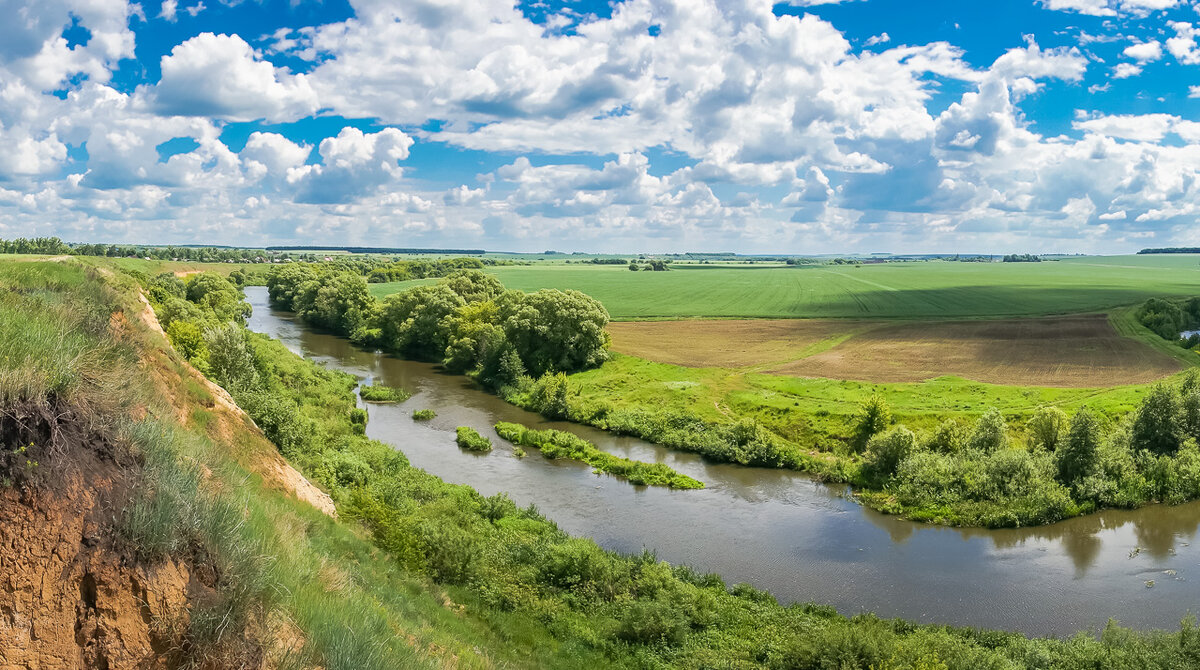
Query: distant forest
point(1172, 250)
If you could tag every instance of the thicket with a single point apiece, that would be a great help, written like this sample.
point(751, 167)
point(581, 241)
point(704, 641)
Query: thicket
point(1066, 466)
point(1168, 319)
point(467, 321)
point(559, 444)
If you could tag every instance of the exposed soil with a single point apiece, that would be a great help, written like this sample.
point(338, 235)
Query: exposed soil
point(70, 596)
point(725, 343)
point(1074, 352)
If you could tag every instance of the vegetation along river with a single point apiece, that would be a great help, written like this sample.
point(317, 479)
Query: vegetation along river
point(784, 532)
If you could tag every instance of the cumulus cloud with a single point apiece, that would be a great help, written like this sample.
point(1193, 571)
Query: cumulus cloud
point(221, 76)
point(353, 164)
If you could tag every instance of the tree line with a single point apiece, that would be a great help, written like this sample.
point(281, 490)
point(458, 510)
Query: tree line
point(1168, 319)
point(467, 321)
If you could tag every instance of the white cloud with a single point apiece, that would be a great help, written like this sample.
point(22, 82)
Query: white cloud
point(1183, 45)
point(353, 164)
point(1126, 70)
point(220, 76)
point(1144, 52)
point(169, 10)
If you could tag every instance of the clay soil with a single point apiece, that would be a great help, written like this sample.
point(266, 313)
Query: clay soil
point(1070, 352)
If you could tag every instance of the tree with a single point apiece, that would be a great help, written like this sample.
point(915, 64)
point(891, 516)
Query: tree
point(872, 419)
point(417, 323)
point(230, 359)
point(215, 295)
point(633, 265)
point(1156, 425)
point(885, 451)
point(474, 285)
point(1047, 427)
point(1077, 456)
point(991, 432)
point(188, 340)
point(550, 396)
point(555, 331)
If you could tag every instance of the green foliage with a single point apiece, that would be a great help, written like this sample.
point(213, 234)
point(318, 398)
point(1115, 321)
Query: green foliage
point(949, 437)
point(215, 295)
point(886, 450)
point(559, 444)
point(423, 414)
point(1077, 456)
point(188, 340)
point(549, 396)
point(872, 420)
point(1156, 426)
point(468, 438)
point(1047, 427)
point(380, 393)
point(230, 361)
point(991, 432)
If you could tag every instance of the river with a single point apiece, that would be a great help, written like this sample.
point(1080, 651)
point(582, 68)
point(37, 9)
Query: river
point(784, 532)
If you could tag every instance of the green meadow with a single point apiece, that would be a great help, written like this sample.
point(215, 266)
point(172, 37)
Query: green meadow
point(920, 289)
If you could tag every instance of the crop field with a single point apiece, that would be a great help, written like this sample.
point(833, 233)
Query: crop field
point(1076, 351)
point(927, 289)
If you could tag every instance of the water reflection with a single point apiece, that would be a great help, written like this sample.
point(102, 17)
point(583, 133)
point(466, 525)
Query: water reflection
point(800, 539)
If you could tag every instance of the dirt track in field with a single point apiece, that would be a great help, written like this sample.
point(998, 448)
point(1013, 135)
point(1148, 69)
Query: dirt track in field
point(1075, 351)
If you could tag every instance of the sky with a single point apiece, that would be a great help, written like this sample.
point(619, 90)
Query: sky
point(802, 127)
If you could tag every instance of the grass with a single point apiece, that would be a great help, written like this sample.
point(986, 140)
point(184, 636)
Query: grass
point(382, 394)
point(423, 414)
point(939, 289)
point(558, 444)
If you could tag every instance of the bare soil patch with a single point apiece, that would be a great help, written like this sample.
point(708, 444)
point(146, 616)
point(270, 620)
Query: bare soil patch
point(1069, 352)
point(1072, 352)
point(726, 344)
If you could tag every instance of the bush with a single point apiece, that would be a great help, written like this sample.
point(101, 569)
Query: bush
point(950, 437)
point(468, 438)
point(991, 432)
point(549, 396)
point(379, 393)
point(886, 451)
point(423, 414)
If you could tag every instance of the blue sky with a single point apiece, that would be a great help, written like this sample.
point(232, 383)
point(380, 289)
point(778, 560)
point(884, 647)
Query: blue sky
point(814, 126)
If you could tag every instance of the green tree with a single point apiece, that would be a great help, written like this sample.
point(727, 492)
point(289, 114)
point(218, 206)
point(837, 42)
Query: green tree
point(188, 340)
point(871, 420)
point(550, 396)
point(991, 432)
point(1047, 427)
point(1078, 454)
point(555, 331)
point(230, 359)
point(1156, 425)
point(417, 323)
point(214, 294)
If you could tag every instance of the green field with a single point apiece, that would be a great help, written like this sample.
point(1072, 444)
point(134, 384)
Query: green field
point(893, 290)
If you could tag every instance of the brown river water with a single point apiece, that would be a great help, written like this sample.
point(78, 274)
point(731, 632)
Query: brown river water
point(785, 532)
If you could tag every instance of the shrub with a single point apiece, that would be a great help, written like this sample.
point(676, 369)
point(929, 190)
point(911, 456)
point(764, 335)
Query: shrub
point(950, 437)
point(380, 393)
point(423, 414)
point(188, 340)
point(230, 360)
point(887, 450)
point(549, 396)
point(991, 432)
point(468, 438)
point(872, 420)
